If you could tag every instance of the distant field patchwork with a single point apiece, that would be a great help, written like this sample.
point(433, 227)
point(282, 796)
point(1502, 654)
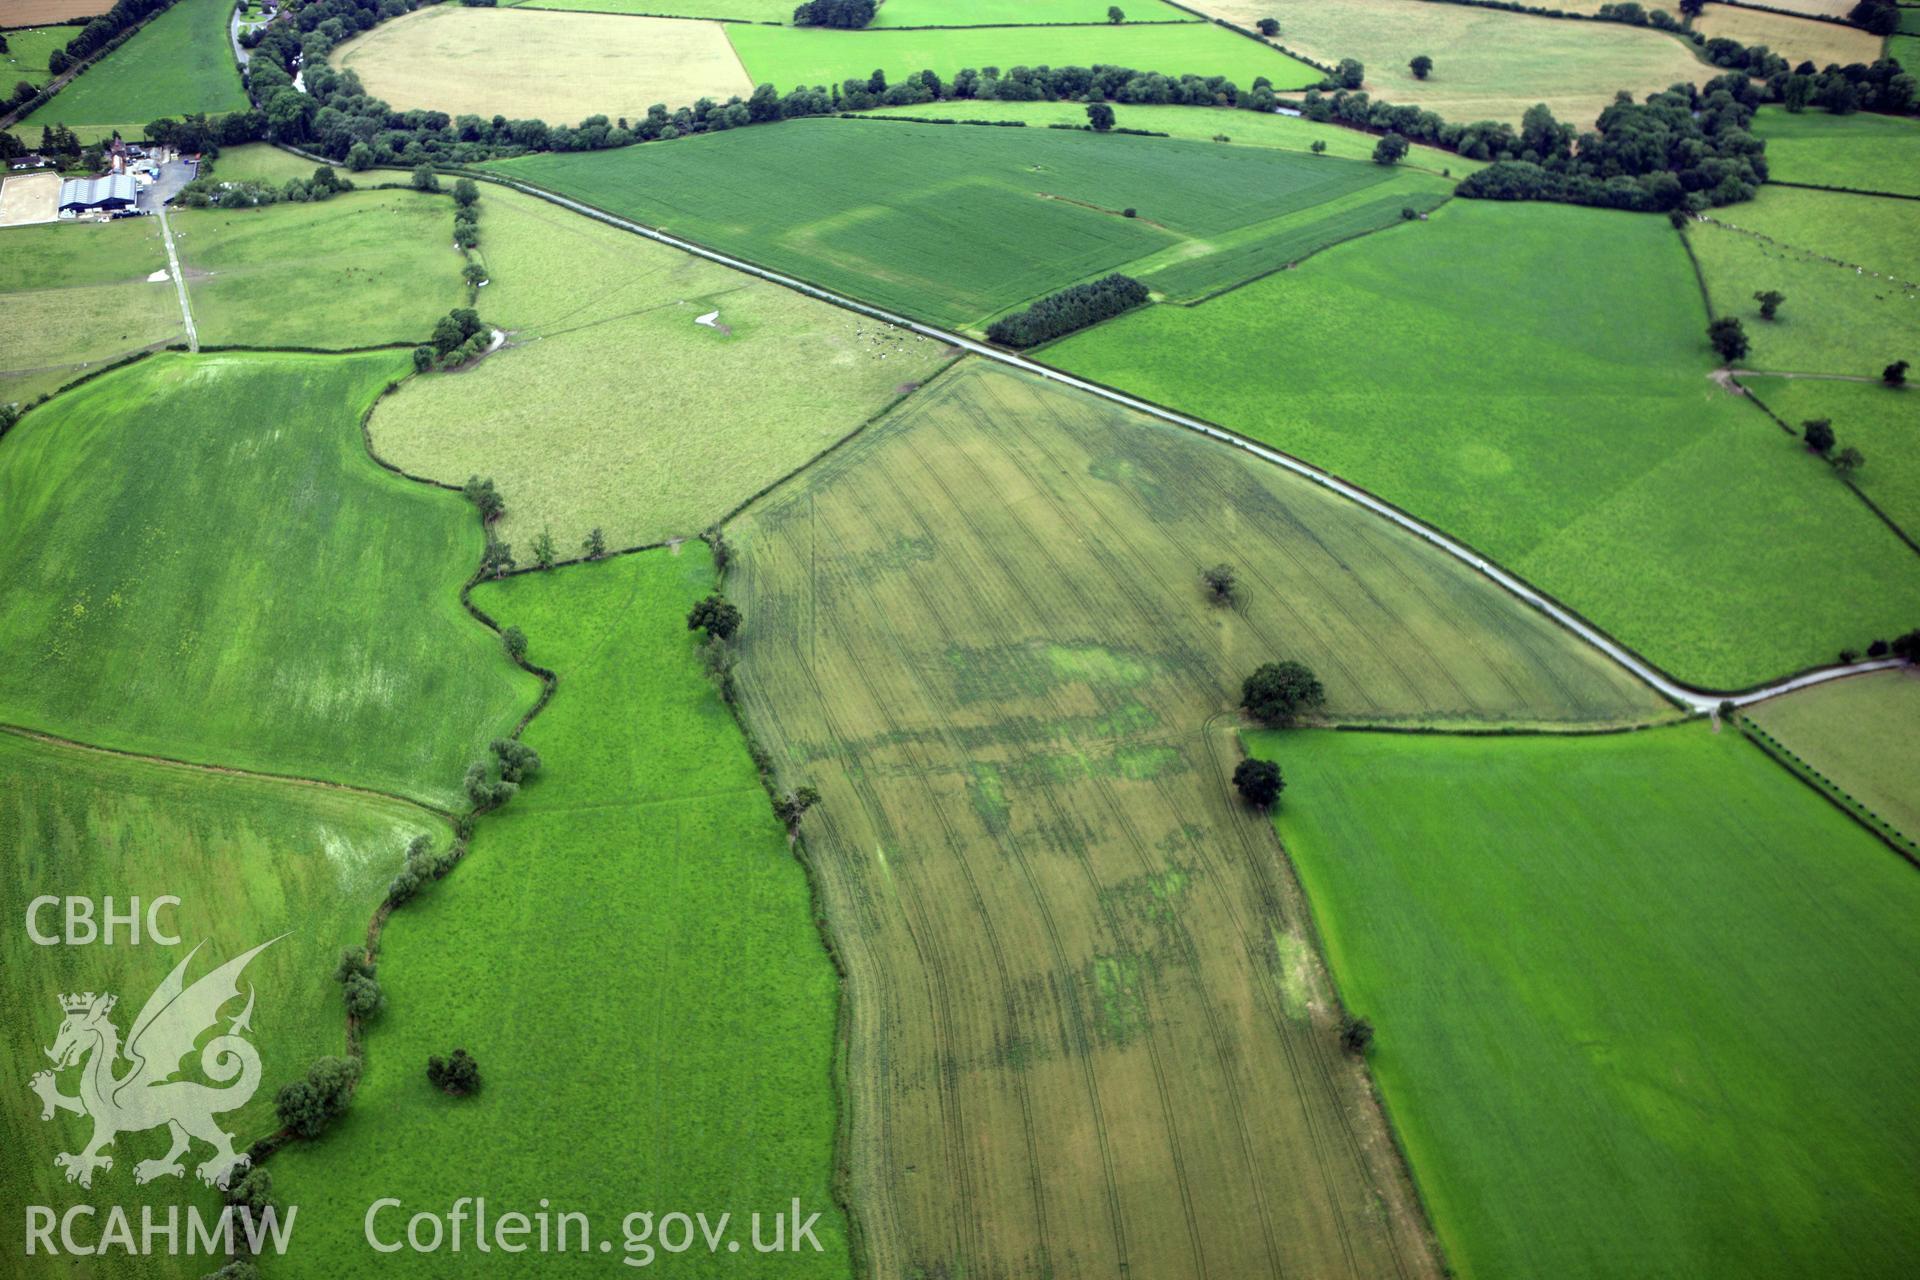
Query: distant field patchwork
point(1879, 421)
point(1862, 151)
point(956, 223)
point(177, 63)
point(1855, 732)
point(1488, 65)
point(1795, 39)
point(1616, 985)
point(980, 631)
point(27, 53)
point(954, 13)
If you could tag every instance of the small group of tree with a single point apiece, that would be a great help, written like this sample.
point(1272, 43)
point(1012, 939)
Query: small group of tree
point(9, 414)
point(496, 561)
point(1769, 300)
point(1895, 374)
point(306, 1107)
point(716, 616)
point(358, 986)
point(238, 1269)
point(594, 545)
point(253, 1191)
point(490, 785)
point(1258, 781)
point(1268, 27)
point(210, 190)
point(1729, 338)
point(845, 14)
point(485, 498)
point(1221, 582)
point(1279, 693)
point(791, 806)
point(1115, 14)
point(515, 641)
point(466, 214)
point(544, 554)
point(1071, 309)
point(458, 336)
point(1099, 116)
point(1421, 66)
point(1820, 439)
point(422, 866)
point(1881, 17)
point(457, 1074)
point(1356, 1035)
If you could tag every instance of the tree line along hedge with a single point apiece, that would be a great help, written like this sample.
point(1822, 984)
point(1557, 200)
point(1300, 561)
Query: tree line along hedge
point(1073, 308)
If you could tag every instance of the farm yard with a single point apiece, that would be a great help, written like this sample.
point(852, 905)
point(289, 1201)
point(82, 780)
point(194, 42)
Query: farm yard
point(1657, 999)
point(950, 639)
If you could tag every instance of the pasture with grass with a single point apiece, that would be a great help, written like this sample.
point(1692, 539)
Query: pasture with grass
point(827, 642)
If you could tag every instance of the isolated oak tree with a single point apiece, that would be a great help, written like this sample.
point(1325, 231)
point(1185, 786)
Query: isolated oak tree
point(1818, 433)
point(1100, 116)
point(306, 1107)
point(1421, 66)
point(1356, 1035)
point(1269, 27)
point(1729, 338)
point(718, 618)
point(1115, 14)
point(1278, 693)
point(1258, 781)
point(457, 1074)
point(1895, 374)
point(1390, 149)
point(1220, 581)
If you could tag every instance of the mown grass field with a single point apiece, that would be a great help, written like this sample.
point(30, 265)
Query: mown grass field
point(204, 564)
point(179, 62)
point(264, 162)
point(965, 13)
point(1618, 986)
point(957, 223)
point(27, 54)
point(979, 630)
point(1857, 732)
point(789, 56)
point(525, 63)
point(1488, 65)
point(1795, 39)
point(1863, 152)
point(249, 859)
point(628, 950)
point(1877, 420)
point(1849, 266)
point(358, 270)
point(1533, 379)
point(580, 434)
point(1199, 124)
point(75, 296)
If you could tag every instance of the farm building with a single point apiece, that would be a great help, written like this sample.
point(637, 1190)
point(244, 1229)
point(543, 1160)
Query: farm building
point(99, 195)
point(31, 160)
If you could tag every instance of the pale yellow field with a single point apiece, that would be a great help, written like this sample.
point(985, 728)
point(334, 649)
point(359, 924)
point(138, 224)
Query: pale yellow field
point(33, 13)
point(1793, 38)
point(532, 64)
point(1488, 64)
point(28, 198)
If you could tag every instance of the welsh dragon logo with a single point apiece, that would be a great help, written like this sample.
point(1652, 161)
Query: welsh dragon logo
point(147, 1095)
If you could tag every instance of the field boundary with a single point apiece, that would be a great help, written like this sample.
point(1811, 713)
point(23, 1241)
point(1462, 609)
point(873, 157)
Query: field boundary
point(1847, 480)
point(1846, 191)
point(255, 775)
point(1695, 698)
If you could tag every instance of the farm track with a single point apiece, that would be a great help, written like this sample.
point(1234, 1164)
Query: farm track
point(179, 281)
point(1690, 697)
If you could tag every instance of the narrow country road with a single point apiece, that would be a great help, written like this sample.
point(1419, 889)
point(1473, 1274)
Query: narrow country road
point(1686, 695)
point(179, 281)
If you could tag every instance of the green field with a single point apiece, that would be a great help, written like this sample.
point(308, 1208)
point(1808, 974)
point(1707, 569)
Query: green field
point(1857, 733)
point(954, 223)
point(1619, 987)
point(1533, 379)
point(75, 296)
point(27, 53)
point(789, 56)
point(179, 62)
point(983, 13)
point(266, 163)
point(739, 10)
point(629, 952)
point(1879, 421)
point(1863, 151)
point(1488, 65)
point(358, 270)
point(580, 434)
point(1850, 273)
point(979, 630)
point(249, 859)
point(1200, 124)
point(204, 564)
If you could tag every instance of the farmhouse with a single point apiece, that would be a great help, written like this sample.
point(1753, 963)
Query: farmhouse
point(31, 160)
point(98, 195)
